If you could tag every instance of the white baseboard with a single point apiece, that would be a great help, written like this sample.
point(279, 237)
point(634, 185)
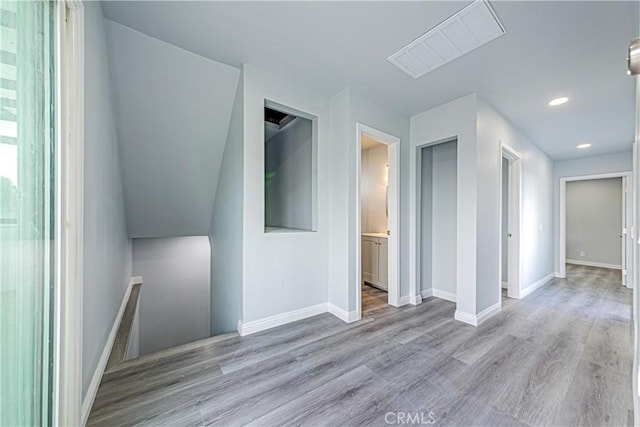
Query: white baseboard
point(345, 316)
point(489, 311)
point(505, 285)
point(465, 317)
point(404, 301)
point(477, 319)
point(557, 275)
point(415, 299)
point(87, 402)
point(426, 293)
point(254, 326)
point(449, 296)
point(535, 285)
point(593, 264)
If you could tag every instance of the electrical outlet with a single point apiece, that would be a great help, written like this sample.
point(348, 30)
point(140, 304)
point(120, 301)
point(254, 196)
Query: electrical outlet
point(583, 253)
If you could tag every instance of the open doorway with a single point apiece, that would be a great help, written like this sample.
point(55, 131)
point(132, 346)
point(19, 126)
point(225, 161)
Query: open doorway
point(593, 225)
point(377, 219)
point(510, 188)
point(437, 217)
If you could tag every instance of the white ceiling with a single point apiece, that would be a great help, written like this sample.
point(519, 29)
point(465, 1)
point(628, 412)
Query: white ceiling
point(551, 49)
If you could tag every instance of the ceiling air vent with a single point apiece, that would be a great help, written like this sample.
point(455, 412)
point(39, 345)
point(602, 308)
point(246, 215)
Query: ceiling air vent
point(468, 29)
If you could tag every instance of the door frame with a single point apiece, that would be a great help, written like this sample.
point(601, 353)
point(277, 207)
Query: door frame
point(415, 231)
point(514, 267)
point(393, 159)
point(627, 206)
point(67, 396)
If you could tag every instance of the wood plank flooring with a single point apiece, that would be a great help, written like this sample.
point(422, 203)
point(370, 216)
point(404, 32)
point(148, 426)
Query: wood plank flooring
point(560, 357)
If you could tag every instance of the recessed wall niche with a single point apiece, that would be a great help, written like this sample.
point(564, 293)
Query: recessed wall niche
point(289, 169)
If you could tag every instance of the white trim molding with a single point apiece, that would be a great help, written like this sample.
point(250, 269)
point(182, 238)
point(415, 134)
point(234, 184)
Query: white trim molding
point(514, 220)
point(477, 319)
point(449, 296)
point(558, 275)
point(393, 159)
point(537, 284)
point(67, 405)
point(593, 264)
point(404, 300)
point(87, 402)
point(344, 315)
point(627, 210)
point(415, 299)
point(427, 293)
point(263, 324)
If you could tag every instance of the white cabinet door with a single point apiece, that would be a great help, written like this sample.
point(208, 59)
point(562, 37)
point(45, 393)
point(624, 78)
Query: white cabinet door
point(383, 267)
point(369, 250)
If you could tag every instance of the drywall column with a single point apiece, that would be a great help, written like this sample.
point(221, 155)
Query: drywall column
point(536, 236)
point(455, 119)
point(283, 272)
point(347, 109)
point(226, 229)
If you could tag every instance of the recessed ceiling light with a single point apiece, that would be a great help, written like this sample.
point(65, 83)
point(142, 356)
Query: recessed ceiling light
point(583, 146)
point(558, 101)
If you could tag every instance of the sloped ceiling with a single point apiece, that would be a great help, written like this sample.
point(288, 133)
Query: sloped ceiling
point(173, 109)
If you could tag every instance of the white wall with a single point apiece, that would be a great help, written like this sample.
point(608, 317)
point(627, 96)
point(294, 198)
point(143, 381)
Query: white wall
point(347, 109)
point(455, 119)
point(443, 251)
point(107, 250)
point(594, 221)
point(174, 300)
point(536, 233)
point(282, 271)
point(612, 163)
point(373, 189)
point(173, 109)
point(226, 229)
point(341, 270)
point(289, 195)
point(479, 130)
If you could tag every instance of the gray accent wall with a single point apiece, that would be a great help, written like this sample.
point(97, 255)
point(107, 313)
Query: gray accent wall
point(174, 301)
point(594, 221)
point(173, 110)
point(289, 194)
point(444, 216)
point(107, 249)
point(426, 220)
point(226, 230)
point(438, 221)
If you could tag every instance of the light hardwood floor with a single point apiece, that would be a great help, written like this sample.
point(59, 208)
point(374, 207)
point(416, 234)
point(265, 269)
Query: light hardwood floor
point(562, 356)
